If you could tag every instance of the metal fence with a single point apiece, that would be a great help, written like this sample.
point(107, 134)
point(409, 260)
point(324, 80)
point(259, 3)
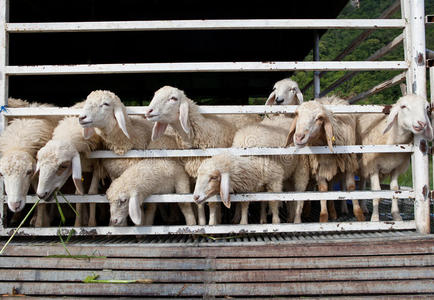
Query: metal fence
point(412, 23)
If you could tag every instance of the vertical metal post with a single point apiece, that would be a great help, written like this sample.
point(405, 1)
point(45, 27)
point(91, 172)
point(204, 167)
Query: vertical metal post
point(4, 84)
point(316, 78)
point(417, 85)
point(431, 78)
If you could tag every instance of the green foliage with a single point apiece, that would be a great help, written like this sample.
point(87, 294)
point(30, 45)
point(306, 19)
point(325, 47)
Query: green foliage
point(334, 41)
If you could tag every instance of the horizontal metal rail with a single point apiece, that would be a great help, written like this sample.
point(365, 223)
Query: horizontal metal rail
point(205, 25)
point(203, 109)
point(399, 148)
point(287, 196)
point(216, 229)
point(206, 67)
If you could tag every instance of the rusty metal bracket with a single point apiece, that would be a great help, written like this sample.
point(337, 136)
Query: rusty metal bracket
point(431, 195)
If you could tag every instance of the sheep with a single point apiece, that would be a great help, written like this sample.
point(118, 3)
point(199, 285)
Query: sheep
point(105, 115)
point(407, 117)
point(225, 173)
point(192, 130)
point(296, 168)
point(285, 92)
point(19, 143)
point(147, 177)
point(315, 125)
point(65, 154)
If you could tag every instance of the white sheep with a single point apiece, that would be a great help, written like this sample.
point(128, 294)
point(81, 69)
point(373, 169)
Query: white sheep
point(19, 143)
point(273, 133)
point(65, 155)
point(407, 117)
point(315, 125)
point(150, 176)
point(225, 173)
point(285, 92)
point(193, 130)
point(106, 115)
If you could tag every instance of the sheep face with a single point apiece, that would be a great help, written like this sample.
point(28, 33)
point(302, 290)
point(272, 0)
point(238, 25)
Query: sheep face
point(310, 122)
point(56, 162)
point(410, 114)
point(17, 169)
point(285, 92)
point(123, 202)
point(103, 110)
point(211, 181)
point(168, 106)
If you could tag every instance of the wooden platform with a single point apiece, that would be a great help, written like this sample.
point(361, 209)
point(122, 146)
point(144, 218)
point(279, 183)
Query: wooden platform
point(358, 265)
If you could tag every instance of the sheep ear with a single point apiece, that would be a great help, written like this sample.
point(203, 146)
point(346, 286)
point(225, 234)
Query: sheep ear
point(88, 132)
point(271, 99)
point(183, 116)
point(225, 186)
point(391, 118)
point(76, 174)
point(120, 116)
point(299, 95)
point(135, 210)
point(158, 130)
point(428, 132)
point(289, 138)
point(329, 133)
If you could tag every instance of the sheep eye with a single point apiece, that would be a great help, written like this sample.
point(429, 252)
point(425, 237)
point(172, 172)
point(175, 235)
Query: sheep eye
point(123, 201)
point(403, 106)
point(64, 166)
point(105, 104)
point(214, 178)
point(173, 99)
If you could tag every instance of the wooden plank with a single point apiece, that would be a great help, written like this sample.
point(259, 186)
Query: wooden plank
point(204, 25)
point(214, 229)
point(395, 273)
point(311, 248)
point(226, 289)
point(205, 67)
point(218, 263)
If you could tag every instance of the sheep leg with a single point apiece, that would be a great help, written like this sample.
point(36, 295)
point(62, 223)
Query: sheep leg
point(182, 186)
point(290, 209)
point(244, 213)
point(375, 186)
point(323, 187)
point(263, 218)
point(93, 190)
point(201, 214)
point(298, 212)
point(275, 187)
point(213, 212)
point(395, 208)
point(351, 186)
point(332, 210)
point(237, 214)
point(363, 202)
point(148, 218)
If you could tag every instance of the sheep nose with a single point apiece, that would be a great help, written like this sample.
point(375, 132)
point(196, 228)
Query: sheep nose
point(15, 205)
point(148, 112)
point(114, 222)
point(279, 101)
point(421, 124)
point(299, 137)
point(81, 118)
point(42, 195)
point(196, 197)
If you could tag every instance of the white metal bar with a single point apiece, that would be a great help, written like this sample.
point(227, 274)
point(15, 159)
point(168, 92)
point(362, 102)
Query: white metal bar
point(206, 67)
point(216, 229)
point(380, 87)
point(418, 86)
point(287, 196)
point(431, 78)
point(399, 148)
point(205, 25)
point(205, 109)
point(4, 85)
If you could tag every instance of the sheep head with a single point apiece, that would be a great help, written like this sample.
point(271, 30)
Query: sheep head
point(410, 113)
point(285, 92)
point(168, 106)
point(57, 160)
point(17, 170)
point(103, 110)
point(213, 178)
point(311, 124)
point(123, 202)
